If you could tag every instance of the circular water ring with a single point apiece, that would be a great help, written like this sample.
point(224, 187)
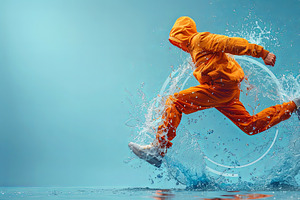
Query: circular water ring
point(211, 161)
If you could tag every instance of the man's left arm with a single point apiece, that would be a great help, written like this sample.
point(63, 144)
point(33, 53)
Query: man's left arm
point(235, 46)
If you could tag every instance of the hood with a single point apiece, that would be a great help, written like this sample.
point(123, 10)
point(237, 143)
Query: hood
point(182, 31)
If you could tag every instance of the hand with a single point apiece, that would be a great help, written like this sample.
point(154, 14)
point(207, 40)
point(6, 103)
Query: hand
point(270, 59)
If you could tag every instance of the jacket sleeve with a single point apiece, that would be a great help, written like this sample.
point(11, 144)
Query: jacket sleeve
point(233, 45)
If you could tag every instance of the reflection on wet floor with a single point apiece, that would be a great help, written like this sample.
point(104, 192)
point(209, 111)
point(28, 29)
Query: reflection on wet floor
point(167, 194)
point(163, 194)
point(243, 196)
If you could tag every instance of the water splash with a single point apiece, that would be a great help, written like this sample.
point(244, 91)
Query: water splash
point(255, 31)
point(201, 136)
point(146, 124)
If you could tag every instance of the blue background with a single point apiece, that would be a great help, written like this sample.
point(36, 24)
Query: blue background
point(65, 67)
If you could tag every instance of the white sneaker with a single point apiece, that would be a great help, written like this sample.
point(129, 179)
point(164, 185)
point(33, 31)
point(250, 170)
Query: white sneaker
point(297, 102)
point(298, 113)
point(149, 153)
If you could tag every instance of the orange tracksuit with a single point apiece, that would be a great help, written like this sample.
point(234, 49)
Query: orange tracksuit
point(219, 76)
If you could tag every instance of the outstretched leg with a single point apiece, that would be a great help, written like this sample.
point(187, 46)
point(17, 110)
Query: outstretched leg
point(260, 122)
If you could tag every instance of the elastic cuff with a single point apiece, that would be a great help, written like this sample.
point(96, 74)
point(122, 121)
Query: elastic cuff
point(162, 142)
point(264, 53)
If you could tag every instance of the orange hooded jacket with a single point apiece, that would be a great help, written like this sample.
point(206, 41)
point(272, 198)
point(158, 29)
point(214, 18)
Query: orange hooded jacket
point(208, 52)
point(219, 76)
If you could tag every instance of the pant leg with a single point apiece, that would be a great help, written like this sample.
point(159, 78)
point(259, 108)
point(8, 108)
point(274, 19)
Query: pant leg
point(260, 122)
point(188, 101)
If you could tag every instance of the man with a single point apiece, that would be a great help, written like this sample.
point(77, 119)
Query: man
point(219, 76)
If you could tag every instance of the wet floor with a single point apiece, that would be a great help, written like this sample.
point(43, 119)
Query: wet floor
point(55, 193)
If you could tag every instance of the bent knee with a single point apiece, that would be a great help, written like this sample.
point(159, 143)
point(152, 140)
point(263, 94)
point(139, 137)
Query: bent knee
point(172, 101)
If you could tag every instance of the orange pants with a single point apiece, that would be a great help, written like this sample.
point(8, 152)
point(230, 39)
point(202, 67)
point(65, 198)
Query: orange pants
point(226, 100)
